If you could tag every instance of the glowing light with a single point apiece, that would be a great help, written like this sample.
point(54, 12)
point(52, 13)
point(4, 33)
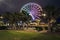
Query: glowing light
point(43, 14)
point(33, 9)
point(32, 15)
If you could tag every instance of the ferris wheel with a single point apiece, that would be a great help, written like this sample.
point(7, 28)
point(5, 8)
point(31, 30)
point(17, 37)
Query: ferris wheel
point(33, 9)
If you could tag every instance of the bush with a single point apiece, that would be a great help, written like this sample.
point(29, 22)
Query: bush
point(3, 28)
point(39, 28)
point(46, 28)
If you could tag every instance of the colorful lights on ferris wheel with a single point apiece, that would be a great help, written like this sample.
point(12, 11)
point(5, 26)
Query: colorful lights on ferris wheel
point(33, 9)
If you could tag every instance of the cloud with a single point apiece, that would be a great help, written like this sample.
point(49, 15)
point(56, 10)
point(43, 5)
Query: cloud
point(1, 0)
point(15, 5)
point(5, 5)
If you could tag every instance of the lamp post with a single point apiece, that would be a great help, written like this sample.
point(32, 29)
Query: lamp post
point(44, 15)
point(1, 17)
point(44, 19)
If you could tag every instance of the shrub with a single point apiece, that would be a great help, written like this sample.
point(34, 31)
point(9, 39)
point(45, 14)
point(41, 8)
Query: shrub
point(3, 28)
point(39, 28)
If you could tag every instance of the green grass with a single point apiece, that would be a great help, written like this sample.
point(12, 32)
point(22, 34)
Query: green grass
point(19, 35)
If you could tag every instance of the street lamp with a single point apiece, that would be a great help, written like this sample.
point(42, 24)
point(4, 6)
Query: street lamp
point(44, 15)
point(1, 17)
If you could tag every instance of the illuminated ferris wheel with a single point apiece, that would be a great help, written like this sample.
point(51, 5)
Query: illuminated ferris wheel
point(33, 9)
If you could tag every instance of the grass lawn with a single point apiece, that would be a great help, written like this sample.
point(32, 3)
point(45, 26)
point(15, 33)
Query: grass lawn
point(20, 35)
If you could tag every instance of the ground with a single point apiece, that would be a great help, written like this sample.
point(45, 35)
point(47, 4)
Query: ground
point(24, 35)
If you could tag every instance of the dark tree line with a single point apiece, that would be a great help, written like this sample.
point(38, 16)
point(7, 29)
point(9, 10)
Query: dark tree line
point(13, 18)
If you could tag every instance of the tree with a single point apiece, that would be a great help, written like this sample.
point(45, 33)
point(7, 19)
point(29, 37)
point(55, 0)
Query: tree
point(15, 17)
point(57, 13)
point(50, 11)
point(26, 16)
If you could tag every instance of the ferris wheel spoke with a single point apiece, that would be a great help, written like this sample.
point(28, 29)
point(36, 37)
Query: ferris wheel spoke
point(32, 8)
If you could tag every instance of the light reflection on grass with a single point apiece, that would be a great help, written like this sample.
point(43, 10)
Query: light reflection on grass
point(21, 35)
